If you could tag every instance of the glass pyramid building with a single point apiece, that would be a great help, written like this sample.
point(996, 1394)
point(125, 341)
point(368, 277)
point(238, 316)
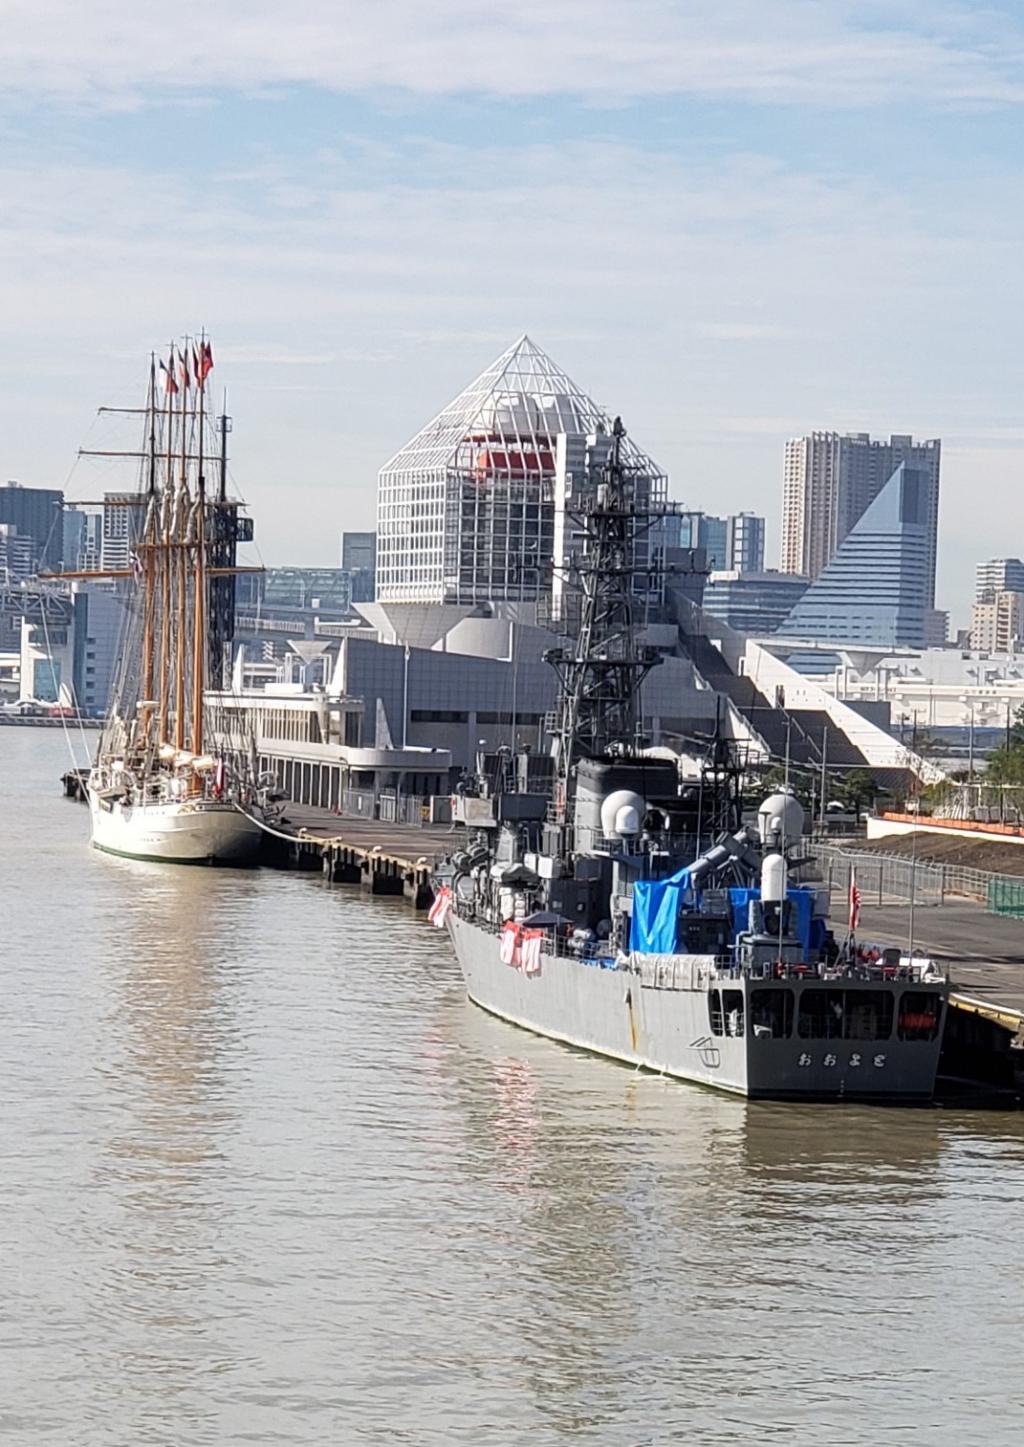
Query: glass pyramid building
point(465, 511)
point(875, 589)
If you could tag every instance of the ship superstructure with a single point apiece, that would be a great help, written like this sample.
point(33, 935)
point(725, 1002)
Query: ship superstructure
point(155, 790)
point(639, 917)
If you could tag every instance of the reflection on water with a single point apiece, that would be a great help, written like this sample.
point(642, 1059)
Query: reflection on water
point(267, 1178)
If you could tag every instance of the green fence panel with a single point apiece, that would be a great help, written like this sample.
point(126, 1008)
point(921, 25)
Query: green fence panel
point(1006, 896)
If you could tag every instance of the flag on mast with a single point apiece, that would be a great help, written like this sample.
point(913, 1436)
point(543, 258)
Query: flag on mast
point(170, 385)
point(442, 907)
point(854, 902)
point(183, 360)
point(204, 363)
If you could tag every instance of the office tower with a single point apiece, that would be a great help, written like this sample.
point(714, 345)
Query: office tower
point(874, 589)
point(359, 559)
point(753, 603)
point(744, 543)
point(936, 628)
point(734, 543)
point(73, 536)
point(18, 555)
point(36, 513)
point(998, 575)
point(702, 530)
point(466, 509)
point(830, 481)
point(121, 528)
point(90, 551)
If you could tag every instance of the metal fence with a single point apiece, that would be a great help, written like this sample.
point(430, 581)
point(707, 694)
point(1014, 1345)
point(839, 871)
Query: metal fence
point(881, 878)
point(893, 879)
point(1006, 896)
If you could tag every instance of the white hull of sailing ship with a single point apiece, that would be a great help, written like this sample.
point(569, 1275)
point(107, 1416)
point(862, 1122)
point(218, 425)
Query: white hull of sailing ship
point(192, 831)
point(675, 1015)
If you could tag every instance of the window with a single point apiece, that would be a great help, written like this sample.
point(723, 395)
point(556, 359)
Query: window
point(732, 1009)
point(715, 1011)
point(845, 1015)
point(771, 1014)
point(868, 1015)
point(821, 1015)
point(920, 1013)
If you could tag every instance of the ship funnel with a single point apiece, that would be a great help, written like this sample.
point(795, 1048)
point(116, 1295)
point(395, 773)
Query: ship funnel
point(622, 814)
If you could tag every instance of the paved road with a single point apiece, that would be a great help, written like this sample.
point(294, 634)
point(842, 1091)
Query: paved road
point(984, 952)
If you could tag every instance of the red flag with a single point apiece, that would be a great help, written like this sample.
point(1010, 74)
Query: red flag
point(170, 385)
point(204, 366)
point(183, 361)
point(854, 901)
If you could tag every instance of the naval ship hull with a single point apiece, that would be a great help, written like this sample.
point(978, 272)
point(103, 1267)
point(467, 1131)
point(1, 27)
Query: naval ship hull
point(676, 1032)
point(193, 831)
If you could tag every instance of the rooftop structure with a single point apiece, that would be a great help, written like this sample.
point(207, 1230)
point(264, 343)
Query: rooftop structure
point(466, 509)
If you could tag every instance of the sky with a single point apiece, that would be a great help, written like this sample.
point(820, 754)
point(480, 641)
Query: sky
point(730, 221)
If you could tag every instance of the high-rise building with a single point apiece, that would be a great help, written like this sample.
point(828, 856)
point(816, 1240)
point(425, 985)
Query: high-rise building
point(744, 542)
point(359, 559)
point(36, 513)
point(90, 550)
point(122, 524)
point(18, 556)
point(753, 603)
point(998, 575)
point(466, 510)
point(733, 544)
point(874, 589)
point(829, 482)
point(936, 627)
point(997, 623)
point(73, 522)
point(702, 530)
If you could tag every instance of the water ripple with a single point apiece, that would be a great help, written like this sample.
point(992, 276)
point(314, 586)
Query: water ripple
point(268, 1179)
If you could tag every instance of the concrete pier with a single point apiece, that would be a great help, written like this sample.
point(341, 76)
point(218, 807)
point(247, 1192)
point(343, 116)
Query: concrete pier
point(381, 858)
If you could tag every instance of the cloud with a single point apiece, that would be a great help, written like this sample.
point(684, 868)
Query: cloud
point(843, 52)
point(720, 303)
point(741, 331)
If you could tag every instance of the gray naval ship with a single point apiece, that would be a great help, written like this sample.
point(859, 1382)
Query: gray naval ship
point(585, 913)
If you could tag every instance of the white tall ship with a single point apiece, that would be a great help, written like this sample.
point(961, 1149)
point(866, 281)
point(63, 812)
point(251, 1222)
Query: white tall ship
point(600, 915)
point(155, 791)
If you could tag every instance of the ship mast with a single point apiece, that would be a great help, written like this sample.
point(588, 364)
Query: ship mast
point(178, 534)
point(602, 670)
point(149, 563)
point(199, 586)
point(166, 576)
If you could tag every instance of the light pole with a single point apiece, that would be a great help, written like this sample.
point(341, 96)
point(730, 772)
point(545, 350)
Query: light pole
point(969, 703)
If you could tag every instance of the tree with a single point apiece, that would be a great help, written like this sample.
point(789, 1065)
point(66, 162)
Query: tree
point(1006, 764)
point(856, 789)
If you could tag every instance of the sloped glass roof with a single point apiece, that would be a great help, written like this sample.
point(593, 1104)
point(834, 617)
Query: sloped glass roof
point(516, 407)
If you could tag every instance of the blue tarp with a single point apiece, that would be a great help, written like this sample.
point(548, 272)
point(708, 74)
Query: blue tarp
point(802, 906)
point(656, 905)
point(657, 902)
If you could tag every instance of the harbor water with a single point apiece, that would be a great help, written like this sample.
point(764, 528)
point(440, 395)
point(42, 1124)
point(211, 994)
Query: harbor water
point(267, 1178)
